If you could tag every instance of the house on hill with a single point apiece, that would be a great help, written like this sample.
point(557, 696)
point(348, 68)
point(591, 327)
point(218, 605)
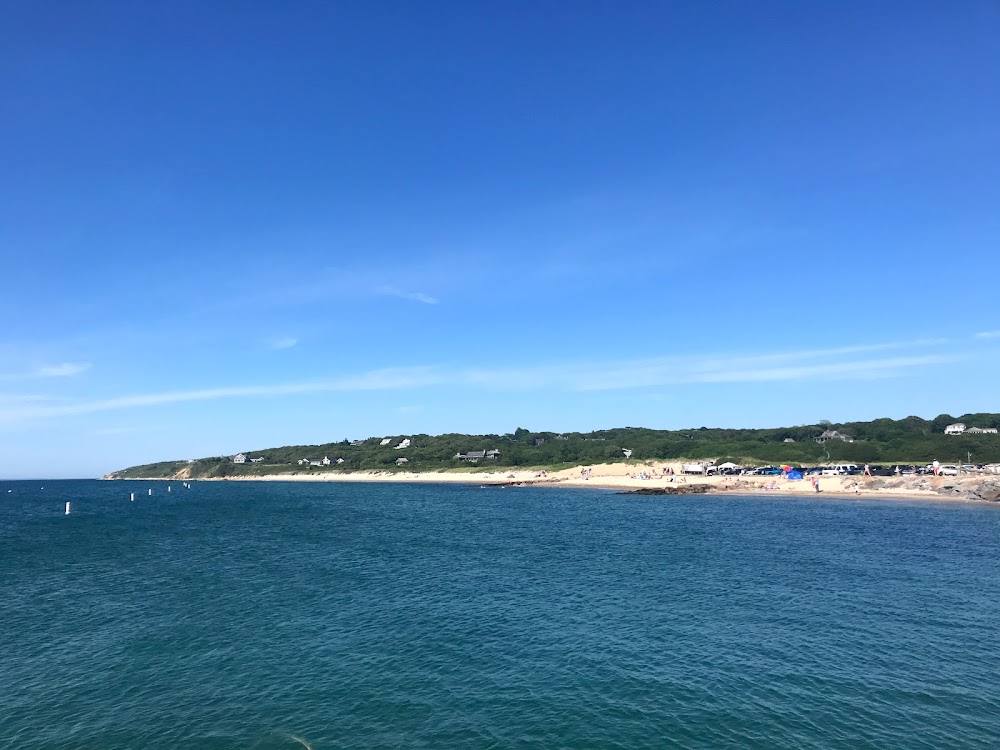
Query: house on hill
point(239, 458)
point(385, 441)
point(954, 429)
point(981, 431)
point(833, 435)
point(258, 460)
point(474, 456)
point(401, 461)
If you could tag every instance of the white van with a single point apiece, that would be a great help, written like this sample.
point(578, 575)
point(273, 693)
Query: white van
point(839, 470)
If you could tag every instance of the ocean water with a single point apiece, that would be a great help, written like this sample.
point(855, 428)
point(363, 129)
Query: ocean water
point(439, 616)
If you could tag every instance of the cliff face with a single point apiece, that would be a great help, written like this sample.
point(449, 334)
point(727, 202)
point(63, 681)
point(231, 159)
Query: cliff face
point(154, 471)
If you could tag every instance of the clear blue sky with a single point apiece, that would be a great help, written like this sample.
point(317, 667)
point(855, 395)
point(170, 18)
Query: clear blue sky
point(227, 226)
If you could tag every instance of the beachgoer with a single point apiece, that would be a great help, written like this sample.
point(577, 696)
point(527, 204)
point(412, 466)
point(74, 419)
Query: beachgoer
point(936, 467)
point(868, 470)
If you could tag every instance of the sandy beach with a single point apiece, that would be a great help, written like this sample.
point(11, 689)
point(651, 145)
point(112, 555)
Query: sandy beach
point(650, 476)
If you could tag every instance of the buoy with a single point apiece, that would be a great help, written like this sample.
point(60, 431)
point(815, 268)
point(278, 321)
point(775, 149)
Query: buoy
point(67, 508)
point(150, 490)
point(168, 488)
point(132, 497)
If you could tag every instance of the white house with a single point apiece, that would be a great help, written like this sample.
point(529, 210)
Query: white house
point(340, 461)
point(239, 458)
point(404, 443)
point(981, 431)
point(258, 460)
point(833, 435)
point(325, 461)
point(385, 441)
point(954, 429)
point(401, 461)
point(305, 461)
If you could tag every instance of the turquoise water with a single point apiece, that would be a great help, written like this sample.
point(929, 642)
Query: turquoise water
point(393, 616)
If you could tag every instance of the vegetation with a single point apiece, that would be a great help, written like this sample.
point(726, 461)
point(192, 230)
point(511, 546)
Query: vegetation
point(910, 440)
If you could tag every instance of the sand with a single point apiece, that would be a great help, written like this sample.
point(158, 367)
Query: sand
point(620, 476)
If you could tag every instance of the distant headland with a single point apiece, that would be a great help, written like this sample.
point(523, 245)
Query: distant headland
point(896, 451)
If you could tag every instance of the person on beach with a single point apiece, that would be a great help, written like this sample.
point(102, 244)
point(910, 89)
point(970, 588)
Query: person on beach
point(868, 470)
point(936, 468)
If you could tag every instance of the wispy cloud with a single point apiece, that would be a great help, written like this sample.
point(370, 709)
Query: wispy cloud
point(845, 363)
point(988, 335)
point(284, 343)
point(24, 398)
point(391, 291)
point(63, 370)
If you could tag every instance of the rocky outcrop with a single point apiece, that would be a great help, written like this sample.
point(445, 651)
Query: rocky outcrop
point(988, 490)
point(684, 489)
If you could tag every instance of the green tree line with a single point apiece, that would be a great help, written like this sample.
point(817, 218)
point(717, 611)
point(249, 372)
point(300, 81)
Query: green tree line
point(911, 440)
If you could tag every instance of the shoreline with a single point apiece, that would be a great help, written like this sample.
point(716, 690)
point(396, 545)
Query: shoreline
point(625, 478)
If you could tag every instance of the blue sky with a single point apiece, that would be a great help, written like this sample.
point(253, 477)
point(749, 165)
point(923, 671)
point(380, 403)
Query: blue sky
point(228, 226)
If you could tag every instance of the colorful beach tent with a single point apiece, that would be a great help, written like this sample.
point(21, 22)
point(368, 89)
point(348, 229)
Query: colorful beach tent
point(795, 474)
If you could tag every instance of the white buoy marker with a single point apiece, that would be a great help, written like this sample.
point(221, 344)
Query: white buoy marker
point(67, 508)
point(132, 497)
point(150, 490)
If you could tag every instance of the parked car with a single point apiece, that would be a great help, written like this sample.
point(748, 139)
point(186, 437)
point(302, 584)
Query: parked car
point(846, 469)
point(948, 470)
